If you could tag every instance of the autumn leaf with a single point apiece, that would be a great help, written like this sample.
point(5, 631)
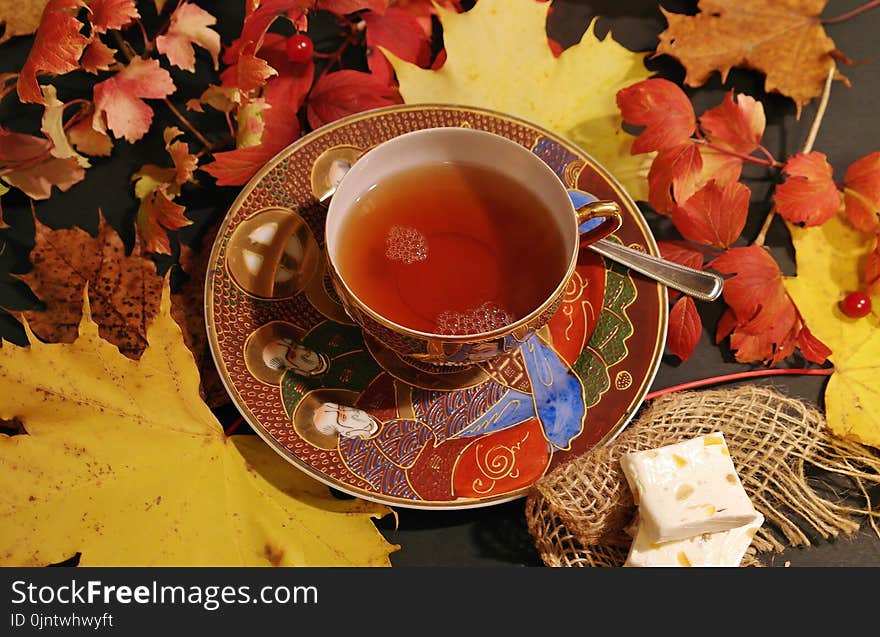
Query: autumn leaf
point(761, 320)
point(57, 47)
point(119, 99)
point(736, 125)
point(423, 10)
point(89, 141)
point(861, 193)
point(156, 187)
point(284, 95)
point(190, 24)
point(343, 7)
point(124, 289)
point(808, 195)
point(53, 127)
point(342, 93)
point(112, 14)
point(124, 464)
point(828, 260)
point(674, 176)
point(19, 18)
point(28, 164)
point(685, 327)
point(498, 57)
point(715, 215)
point(783, 40)
point(871, 277)
point(97, 57)
point(663, 109)
point(398, 31)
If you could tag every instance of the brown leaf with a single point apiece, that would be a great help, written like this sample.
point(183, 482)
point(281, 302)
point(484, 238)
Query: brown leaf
point(783, 40)
point(124, 290)
point(20, 18)
point(187, 305)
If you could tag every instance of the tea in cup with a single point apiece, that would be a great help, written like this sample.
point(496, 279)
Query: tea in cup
point(453, 245)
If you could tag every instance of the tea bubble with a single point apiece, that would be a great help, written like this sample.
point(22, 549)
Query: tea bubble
point(486, 317)
point(405, 245)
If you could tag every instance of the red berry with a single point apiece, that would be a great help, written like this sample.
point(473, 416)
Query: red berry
point(299, 48)
point(856, 305)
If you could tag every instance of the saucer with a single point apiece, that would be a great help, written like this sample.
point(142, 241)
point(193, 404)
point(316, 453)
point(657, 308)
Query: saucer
point(352, 413)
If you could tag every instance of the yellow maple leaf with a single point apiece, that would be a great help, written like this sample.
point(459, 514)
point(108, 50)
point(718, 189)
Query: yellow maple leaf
point(828, 259)
point(121, 461)
point(498, 58)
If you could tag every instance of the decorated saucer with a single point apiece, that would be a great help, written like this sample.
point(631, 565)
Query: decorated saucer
point(355, 415)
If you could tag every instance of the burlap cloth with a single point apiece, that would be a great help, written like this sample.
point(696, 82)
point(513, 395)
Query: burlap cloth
point(807, 482)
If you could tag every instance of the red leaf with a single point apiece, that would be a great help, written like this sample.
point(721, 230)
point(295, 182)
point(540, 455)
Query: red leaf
point(287, 91)
point(249, 73)
point(256, 25)
point(342, 7)
point(757, 279)
point(726, 325)
point(736, 125)
point(662, 108)
point(112, 14)
point(345, 92)
point(190, 25)
point(808, 195)
point(766, 321)
point(673, 176)
point(862, 193)
point(32, 169)
point(422, 10)
point(156, 214)
point(685, 328)
point(399, 32)
point(88, 140)
point(285, 94)
point(57, 47)
point(872, 272)
point(97, 57)
point(714, 215)
point(680, 252)
point(811, 347)
point(119, 98)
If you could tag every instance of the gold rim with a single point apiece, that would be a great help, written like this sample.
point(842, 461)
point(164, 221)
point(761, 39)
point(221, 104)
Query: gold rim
point(463, 503)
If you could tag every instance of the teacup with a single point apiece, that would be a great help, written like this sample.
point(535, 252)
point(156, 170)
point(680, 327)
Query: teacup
point(438, 151)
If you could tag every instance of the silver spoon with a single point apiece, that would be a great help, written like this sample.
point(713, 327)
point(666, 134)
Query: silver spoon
point(701, 285)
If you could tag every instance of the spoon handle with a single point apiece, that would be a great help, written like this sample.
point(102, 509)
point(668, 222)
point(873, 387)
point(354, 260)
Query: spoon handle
point(705, 286)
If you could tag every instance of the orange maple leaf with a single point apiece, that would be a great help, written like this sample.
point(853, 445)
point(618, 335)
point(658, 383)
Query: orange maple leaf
point(808, 195)
point(112, 14)
point(190, 25)
point(862, 193)
point(119, 98)
point(784, 40)
point(56, 49)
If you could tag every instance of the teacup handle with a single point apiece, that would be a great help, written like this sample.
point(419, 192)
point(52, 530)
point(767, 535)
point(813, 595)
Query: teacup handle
point(596, 218)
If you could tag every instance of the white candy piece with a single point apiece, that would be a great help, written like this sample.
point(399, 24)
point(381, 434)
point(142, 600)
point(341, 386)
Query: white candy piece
point(725, 548)
point(687, 489)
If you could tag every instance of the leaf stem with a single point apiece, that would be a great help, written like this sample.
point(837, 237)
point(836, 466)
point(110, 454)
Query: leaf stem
point(758, 373)
point(187, 123)
point(768, 163)
point(873, 4)
point(808, 145)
